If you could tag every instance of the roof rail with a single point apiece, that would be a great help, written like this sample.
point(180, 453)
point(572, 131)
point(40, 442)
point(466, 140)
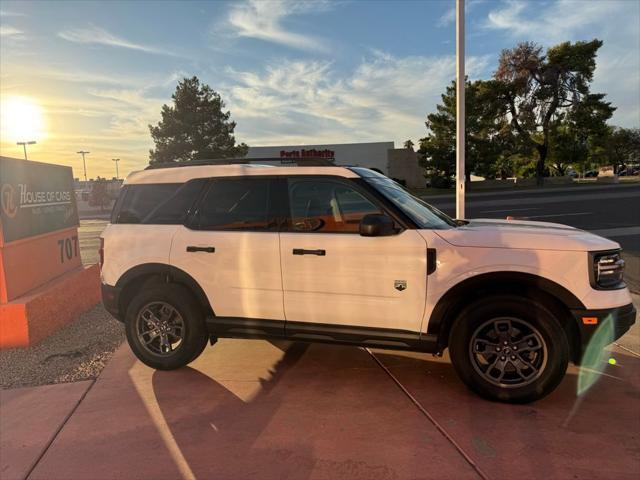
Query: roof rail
point(302, 162)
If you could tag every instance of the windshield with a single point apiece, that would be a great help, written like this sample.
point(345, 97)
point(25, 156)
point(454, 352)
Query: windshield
point(423, 214)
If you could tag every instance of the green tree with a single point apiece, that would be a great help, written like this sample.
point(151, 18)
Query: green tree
point(623, 147)
point(483, 140)
point(533, 90)
point(578, 132)
point(195, 127)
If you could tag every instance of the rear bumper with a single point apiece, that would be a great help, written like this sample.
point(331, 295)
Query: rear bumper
point(589, 321)
point(111, 301)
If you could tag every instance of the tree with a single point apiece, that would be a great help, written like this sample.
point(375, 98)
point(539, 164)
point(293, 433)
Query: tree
point(623, 147)
point(532, 90)
point(408, 144)
point(195, 127)
point(578, 132)
point(99, 196)
point(483, 140)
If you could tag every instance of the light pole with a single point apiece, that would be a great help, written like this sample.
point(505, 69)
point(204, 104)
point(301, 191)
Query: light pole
point(116, 160)
point(84, 163)
point(460, 120)
point(24, 146)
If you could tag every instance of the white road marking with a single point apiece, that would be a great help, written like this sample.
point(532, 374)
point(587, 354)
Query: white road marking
point(617, 232)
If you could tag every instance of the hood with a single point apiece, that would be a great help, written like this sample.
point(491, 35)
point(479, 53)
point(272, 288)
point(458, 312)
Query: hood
point(525, 235)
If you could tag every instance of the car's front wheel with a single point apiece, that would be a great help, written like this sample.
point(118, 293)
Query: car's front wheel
point(165, 327)
point(509, 349)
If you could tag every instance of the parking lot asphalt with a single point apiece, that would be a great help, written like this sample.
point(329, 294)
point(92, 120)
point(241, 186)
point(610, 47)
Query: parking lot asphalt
point(258, 409)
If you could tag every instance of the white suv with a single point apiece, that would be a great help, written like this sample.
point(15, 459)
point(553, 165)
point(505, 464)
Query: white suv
point(346, 255)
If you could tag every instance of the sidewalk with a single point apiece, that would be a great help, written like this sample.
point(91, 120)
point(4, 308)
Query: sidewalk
point(258, 409)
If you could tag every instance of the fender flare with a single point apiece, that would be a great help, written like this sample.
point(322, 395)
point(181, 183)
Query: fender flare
point(168, 274)
point(450, 304)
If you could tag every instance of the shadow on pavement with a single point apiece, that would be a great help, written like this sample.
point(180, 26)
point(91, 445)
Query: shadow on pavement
point(254, 409)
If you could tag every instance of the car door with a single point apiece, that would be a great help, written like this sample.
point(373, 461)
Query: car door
point(231, 248)
point(333, 277)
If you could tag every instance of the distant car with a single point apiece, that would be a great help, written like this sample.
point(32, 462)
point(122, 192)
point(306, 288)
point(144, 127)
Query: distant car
point(572, 174)
point(591, 174)
point(347, 256)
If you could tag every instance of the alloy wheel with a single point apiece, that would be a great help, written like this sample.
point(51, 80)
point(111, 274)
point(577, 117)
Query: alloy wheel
point(508, 352)
point(160, 328)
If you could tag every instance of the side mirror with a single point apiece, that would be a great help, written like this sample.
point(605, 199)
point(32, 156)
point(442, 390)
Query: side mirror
point(376, 225)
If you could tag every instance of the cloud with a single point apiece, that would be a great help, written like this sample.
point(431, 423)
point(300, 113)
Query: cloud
point(263, 20)
point(6, 13)
point(9, 31)
point(383, 98)
point(557, 22)
point(98, 36)
point(447, 18)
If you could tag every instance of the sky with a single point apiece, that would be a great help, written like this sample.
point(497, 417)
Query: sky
point(92, 76)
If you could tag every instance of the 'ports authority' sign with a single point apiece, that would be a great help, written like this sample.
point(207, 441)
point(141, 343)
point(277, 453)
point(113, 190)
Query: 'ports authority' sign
point(35, 198)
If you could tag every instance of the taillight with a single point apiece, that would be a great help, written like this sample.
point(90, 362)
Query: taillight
point(101, 252)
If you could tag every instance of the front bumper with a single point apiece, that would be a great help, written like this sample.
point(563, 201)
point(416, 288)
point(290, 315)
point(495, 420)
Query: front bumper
point(111, 301)
point(589, 321)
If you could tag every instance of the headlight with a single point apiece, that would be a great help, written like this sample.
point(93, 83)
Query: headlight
point(607, 270)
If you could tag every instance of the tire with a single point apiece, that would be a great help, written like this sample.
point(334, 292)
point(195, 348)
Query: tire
point(498, 371)
point(165, 326)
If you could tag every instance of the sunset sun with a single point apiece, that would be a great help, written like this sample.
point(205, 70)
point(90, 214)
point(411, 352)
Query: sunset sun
point(22, 120)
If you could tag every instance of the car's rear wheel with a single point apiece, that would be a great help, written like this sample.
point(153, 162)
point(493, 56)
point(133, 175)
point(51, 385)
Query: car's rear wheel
point(165, 327)
point(509, 349)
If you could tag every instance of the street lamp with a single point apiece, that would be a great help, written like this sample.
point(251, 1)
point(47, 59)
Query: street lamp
point(24, 146)
point(83, 153)
point(116, 160)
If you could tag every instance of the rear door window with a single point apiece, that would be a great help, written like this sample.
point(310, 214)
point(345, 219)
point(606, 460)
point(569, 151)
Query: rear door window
point(237, 204)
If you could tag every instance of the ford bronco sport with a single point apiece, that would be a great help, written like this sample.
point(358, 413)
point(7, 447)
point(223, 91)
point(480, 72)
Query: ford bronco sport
point(345, 255)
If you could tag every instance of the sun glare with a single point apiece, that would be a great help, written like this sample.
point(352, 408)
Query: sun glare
point(22, 120)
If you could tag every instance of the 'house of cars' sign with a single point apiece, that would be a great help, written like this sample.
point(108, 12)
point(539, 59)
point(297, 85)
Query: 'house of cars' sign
point(35, 198)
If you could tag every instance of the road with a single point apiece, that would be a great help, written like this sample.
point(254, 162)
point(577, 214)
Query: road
point(612, 211)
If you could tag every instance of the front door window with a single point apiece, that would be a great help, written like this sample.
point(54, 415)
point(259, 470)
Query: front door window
point(327, 206)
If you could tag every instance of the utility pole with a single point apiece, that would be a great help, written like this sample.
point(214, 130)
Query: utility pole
point(460, 110)
point(116, 160)
point(24, 146)
point(84, 163)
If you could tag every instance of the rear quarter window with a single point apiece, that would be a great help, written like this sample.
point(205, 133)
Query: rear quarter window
point(157, 204)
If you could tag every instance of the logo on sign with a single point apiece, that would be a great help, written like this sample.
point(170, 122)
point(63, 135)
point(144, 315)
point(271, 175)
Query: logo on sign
point(8, 200)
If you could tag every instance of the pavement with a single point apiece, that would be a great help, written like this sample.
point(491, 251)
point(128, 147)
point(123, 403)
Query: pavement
point(260, 409)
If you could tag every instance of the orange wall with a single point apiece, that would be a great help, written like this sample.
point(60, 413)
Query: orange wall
point(31, 262)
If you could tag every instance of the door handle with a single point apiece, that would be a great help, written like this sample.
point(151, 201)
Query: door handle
point(302, 251)
point(192, 248)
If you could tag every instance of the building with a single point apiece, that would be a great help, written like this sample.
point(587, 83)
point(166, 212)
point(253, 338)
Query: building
point(401, 164)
